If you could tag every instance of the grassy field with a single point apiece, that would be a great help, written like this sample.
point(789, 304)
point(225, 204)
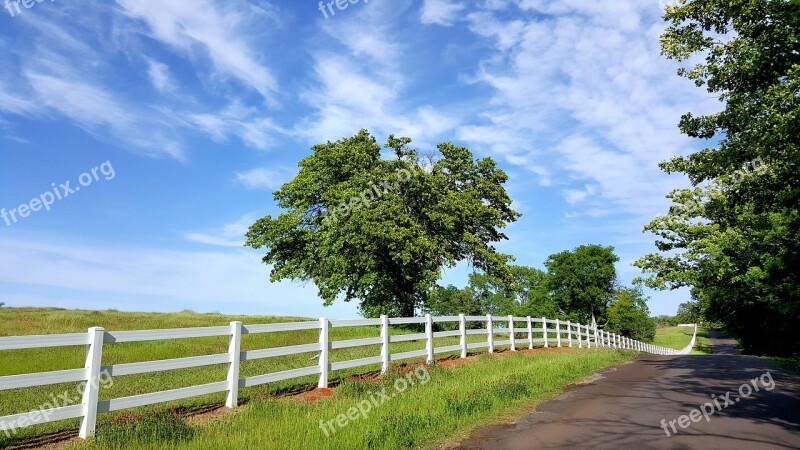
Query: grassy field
point(114, 427)
point(679, 337)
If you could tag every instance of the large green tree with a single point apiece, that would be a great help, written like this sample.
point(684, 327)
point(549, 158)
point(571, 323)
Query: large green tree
point(379, 230)
point(581, 281)
point(735, 236)
point(629, 315)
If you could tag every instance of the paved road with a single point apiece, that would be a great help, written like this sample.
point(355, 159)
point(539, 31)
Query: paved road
point(623, 408)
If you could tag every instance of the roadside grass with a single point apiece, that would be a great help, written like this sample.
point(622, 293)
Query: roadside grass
point(23, 321)
point(679, 337)
point(425, 415)
point(791, 364)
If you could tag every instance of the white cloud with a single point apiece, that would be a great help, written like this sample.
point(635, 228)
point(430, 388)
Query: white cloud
point(159, 76)
point(442, 12)
point(248, 124)
point(98, 112)
point(262, 178)
point(364, 86)
point(223, 32)
point(582, 94)
point(229, 235)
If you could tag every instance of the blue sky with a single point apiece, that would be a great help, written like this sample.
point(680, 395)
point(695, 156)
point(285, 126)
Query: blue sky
point(203, 108)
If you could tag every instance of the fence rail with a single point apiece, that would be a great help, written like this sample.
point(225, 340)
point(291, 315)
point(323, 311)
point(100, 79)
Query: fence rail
point(553, 332)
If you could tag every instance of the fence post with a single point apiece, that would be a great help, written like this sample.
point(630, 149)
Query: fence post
point(234, 353)
point(544, 331)
point(429, 334)
point(588, 337)
point(558, 333)
point(511, 332)
point(384, 343)
point(324, 346)
point(490, 333)
point(580, 337)
point(569, 332)
point(94, 359)
point(530, 333)
point(462, 326)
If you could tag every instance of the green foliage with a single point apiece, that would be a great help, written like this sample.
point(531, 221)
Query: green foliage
point(628, 315)
point(582, 281)
point(524, 295)
point(735, 236)
point(689, 312)
point(530, 290)
point(380, 230)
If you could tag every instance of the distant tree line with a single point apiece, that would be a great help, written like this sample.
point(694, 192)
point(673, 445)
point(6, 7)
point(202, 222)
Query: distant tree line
point(578, 285)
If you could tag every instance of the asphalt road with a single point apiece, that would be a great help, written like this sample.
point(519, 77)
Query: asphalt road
point(623, 408)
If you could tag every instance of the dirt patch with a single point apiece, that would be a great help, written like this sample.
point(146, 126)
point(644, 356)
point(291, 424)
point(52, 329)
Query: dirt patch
point(368, 377)
point(314, 395)
point(52, 441)
point(455, 361)
point(209, 415)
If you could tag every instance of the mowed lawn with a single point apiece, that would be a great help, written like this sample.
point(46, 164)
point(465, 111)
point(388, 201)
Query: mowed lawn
point(453, 401)
point(679, 337)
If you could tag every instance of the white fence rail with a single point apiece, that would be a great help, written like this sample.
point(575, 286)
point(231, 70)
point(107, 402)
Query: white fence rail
point(554, 333)
point(688, 349)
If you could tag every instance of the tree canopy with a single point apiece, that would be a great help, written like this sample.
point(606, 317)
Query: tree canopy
point(629, 315)
point(379, 231)
point(582, 281)
point(735, 236)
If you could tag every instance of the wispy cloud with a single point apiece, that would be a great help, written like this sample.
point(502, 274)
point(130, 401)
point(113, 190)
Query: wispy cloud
point(609, 112)
point(205, 29)
point(363, 86)
point(263, 178)
point(442, 12)
point(229, 235)
point(247, 123)
point(159, 76)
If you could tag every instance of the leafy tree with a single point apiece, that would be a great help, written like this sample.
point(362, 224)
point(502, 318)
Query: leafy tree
point(530, 290)
point(582, 281)
point(492, 293)
point(380, 230)
point(689, 312)
point(735, 236)
point(629, 315)
point(525, 295)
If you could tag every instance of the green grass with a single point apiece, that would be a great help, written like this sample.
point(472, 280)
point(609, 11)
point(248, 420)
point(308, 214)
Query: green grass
point(453, 401)
point(22, 321)
point(791, 364)
point(679, 337)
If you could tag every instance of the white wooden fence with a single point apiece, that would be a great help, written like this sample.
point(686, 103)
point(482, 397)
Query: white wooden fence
point(688, 349)
point(555, 333)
